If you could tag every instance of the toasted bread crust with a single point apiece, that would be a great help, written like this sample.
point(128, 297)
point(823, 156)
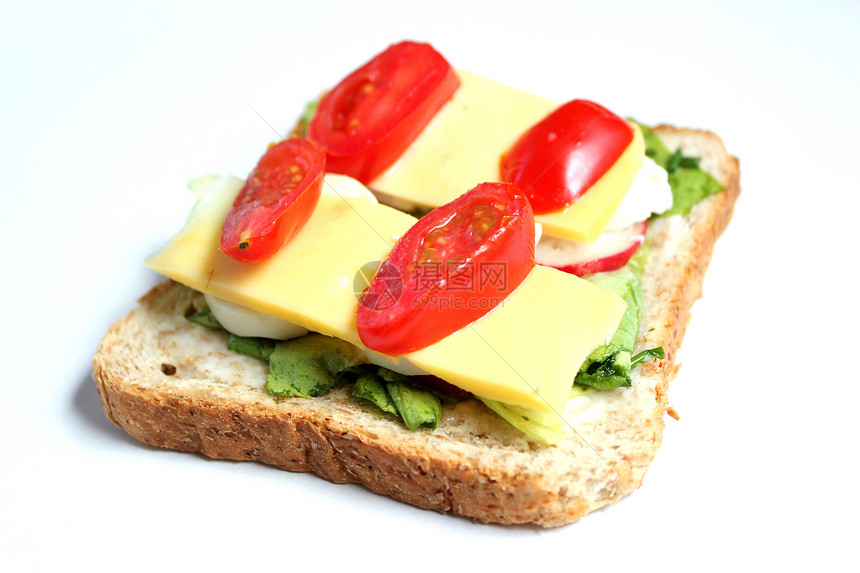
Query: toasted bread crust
point(688, 262)
point(173, 385)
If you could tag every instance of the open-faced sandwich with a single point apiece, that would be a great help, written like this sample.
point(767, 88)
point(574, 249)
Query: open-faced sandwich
point(458, 294)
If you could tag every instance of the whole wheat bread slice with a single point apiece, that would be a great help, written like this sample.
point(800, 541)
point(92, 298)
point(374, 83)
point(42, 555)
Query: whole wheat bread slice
point(174, 385)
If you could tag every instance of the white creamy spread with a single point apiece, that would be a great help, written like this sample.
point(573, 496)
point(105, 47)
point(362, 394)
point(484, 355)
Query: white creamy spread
point(649, 193)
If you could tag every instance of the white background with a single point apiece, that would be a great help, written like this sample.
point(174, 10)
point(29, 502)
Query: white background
point(108, 111)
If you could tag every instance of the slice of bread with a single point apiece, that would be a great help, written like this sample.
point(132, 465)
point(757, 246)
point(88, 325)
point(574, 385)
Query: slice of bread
point(174, 385)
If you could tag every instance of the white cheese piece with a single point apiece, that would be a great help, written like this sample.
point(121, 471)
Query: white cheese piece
point(649, 193)
point(243, 321)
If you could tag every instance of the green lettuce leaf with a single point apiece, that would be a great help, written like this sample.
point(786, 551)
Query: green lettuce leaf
point(654, 147)
point(417, 408)
point(656, 352)
point(689, 186)
point(689, 183)
point(368, 386)
point(309, 366)
point(203, 317)
point(608, 366)
point(307, 115)
point(252, 346)
point(543, 427)
point(393, 392)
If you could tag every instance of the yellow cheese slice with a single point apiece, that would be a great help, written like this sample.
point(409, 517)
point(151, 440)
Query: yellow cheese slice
point(526, 351)
point(534, 342)
point(462, 146)
point(309, 281)
point(586, 219)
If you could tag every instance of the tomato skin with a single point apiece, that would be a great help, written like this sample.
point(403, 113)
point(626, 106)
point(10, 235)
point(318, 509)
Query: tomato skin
point(369, 119)
point(562, 156)
point(491, 227)
point(278, 198)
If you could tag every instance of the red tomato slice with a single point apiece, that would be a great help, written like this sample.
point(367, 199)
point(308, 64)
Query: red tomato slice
point(276, 201)
point(563, 155)
point(452, 267)
point(369, 119)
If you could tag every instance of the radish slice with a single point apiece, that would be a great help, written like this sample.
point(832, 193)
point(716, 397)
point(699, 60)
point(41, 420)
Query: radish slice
point(611, 251)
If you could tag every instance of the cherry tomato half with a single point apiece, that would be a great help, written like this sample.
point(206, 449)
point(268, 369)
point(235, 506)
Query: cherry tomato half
point(563, 155)
point(454, 265)
point(368, 120)
point(276, 201)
